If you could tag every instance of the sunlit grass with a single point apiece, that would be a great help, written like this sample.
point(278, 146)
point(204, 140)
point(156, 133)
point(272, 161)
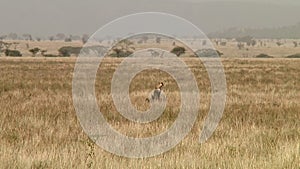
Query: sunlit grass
point(260, 127)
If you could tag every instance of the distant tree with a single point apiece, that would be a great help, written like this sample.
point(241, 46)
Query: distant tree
point(27, 37)
point(51, 38)
point(245, 39)
point(12, 36)
point(68, 39)
point(178, 50)
point(240, 45)
point(38, 39)
point(204, 42)
point(75, 37)
point(295, 44)
point(60, 36)
point(85, 38)
point(158, 39)
point(3, 37)
point(34, 51)
point(123, 49)
point(174, 43)
point(145, 38)
point(253, 42)
point(279, 43)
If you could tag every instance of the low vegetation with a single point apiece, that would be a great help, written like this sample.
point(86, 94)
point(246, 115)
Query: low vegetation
point(178, 50)
point(264, 56)
point(13, 53)
point(67, 51)
point(260, 127)
point(294, 56)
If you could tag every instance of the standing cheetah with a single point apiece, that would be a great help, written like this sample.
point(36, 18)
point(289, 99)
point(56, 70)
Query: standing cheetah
point(156, 93)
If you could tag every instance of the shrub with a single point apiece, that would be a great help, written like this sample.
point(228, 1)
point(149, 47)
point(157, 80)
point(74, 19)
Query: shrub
point(69, 50)
point(50, 55)
point(123, 49)
point(14, 53)
point(208, 53)
point(178, 50)
point(97, 49)
point(294, 56)
point(264, 56)
point(34, 51)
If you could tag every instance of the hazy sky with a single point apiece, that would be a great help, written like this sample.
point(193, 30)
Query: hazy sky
point(46, 17)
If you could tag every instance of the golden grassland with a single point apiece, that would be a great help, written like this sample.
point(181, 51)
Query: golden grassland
point(260, 127)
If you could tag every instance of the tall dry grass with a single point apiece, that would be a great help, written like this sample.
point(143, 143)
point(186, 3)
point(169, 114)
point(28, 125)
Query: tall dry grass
point(260, 127)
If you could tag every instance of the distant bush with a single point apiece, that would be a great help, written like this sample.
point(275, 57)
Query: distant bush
point(178, 50)
point(245, 39)
point(94, 50)
point(50, 55)
point(67, 51)
point(34, 51)
point(14, 53)
point(208, 53)
point(124, 48)
point(294, 56)
point(264, 56)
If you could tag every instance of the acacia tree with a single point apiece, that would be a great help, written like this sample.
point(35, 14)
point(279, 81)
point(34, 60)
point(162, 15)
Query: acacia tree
point(178, 50)
point(295, 44)
point(84, 38)
point(34, 51)
point(123, 49)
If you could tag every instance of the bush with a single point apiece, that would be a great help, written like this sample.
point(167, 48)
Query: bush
point(264, 56)
point(50, 55)
point(14, 53)
point(294, 56)
point(178, 50)
point(211, 53)
point(123, 49)
point(121, 53)
point(97, 49)
point(67, 51)
point(34, 51)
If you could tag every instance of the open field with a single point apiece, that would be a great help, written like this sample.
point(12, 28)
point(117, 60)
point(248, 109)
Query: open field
point(260, 127)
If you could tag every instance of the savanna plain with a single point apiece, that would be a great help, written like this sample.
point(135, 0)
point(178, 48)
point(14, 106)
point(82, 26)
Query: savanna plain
point(260, 128)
